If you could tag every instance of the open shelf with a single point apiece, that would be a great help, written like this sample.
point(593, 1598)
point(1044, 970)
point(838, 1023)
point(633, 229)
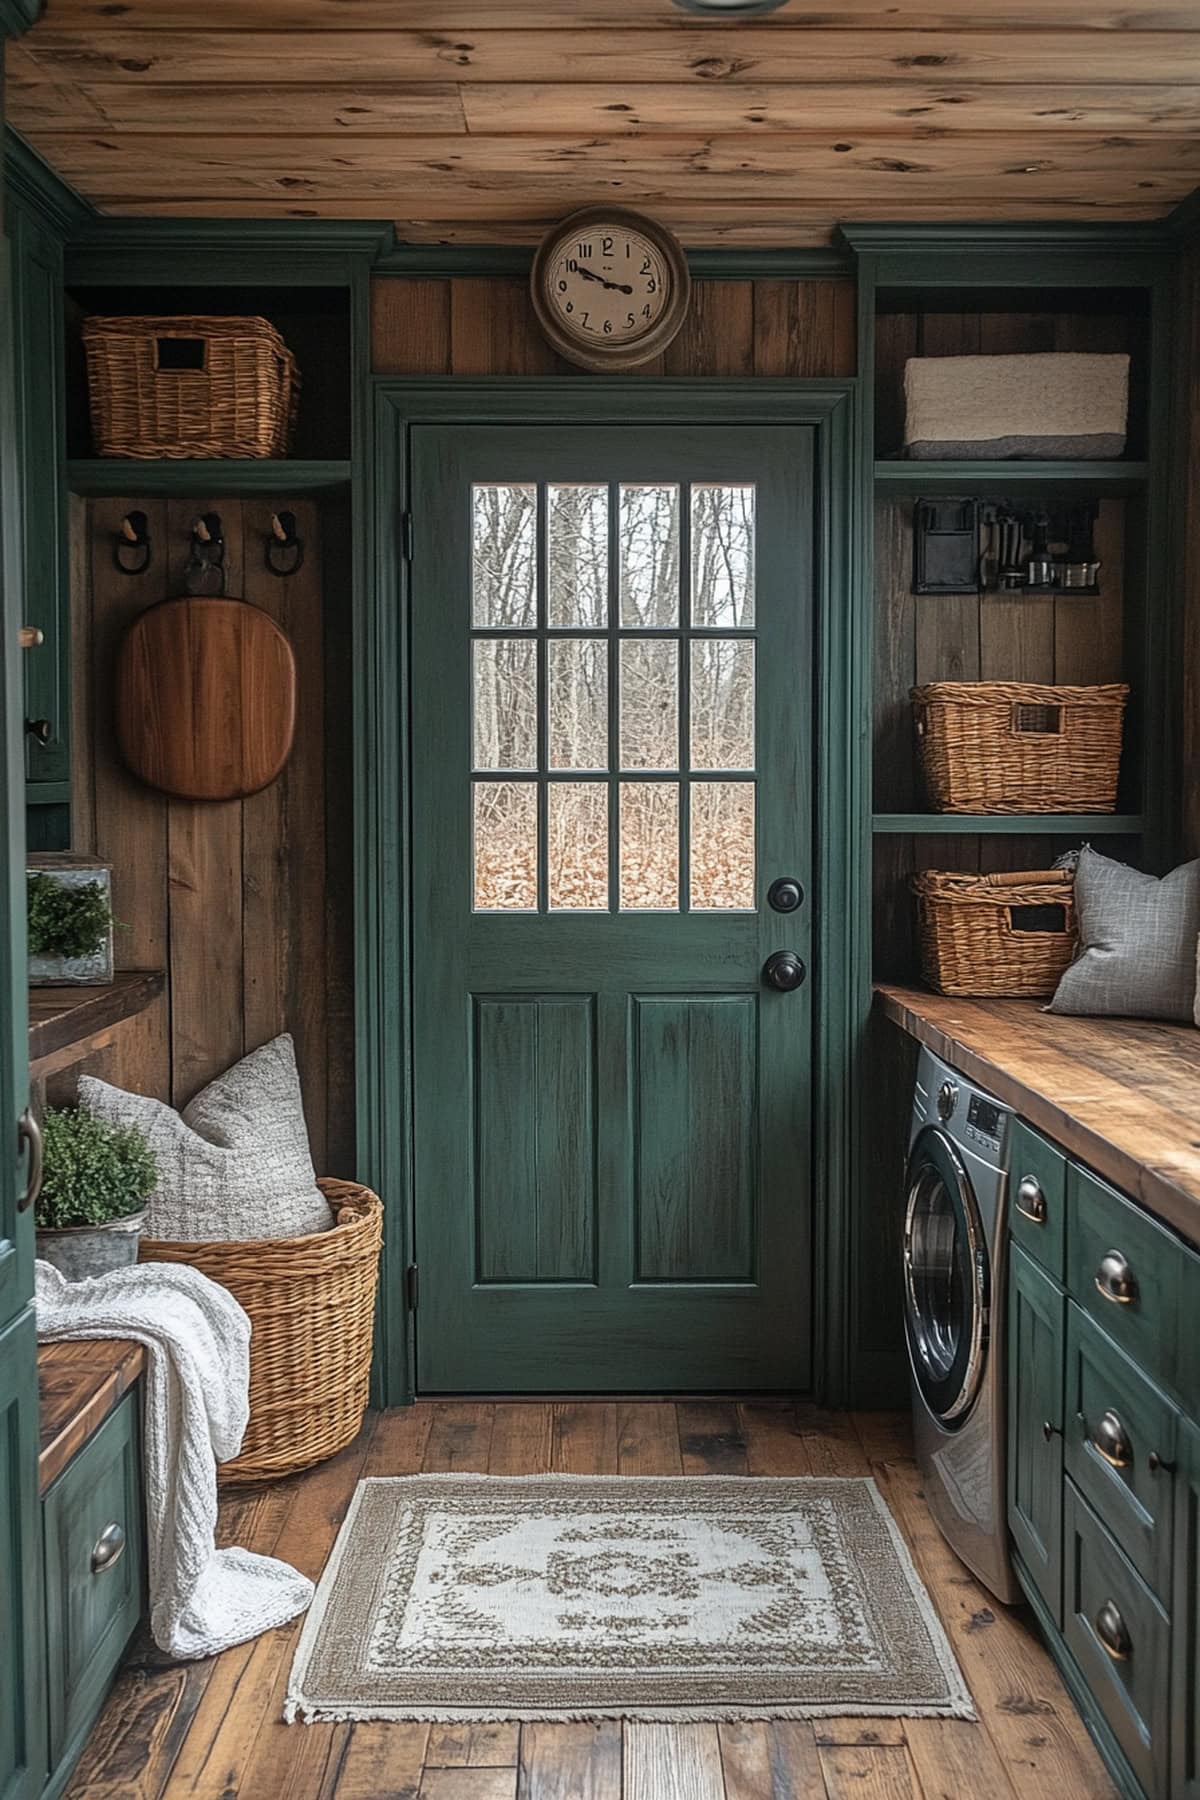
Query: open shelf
point(95, 477)
point(1012, 824)
point(899, 476)
point(68, 1023)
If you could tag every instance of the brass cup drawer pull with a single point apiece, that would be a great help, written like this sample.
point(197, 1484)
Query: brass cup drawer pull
point(1111, 1441)
point(1113, 1632)
point(1031, 1201)
point(1115, 1279)
point(109, 1548)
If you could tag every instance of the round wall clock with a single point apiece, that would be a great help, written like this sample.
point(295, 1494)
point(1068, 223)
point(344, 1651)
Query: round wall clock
point(610, 288)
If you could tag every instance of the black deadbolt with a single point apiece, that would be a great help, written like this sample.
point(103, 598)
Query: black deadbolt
point(784, 970)
point(785, 895)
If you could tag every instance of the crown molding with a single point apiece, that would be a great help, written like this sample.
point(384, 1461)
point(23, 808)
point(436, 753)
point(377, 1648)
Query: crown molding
point(32, 183)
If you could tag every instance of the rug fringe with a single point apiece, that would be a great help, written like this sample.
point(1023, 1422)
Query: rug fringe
point(299, 1710)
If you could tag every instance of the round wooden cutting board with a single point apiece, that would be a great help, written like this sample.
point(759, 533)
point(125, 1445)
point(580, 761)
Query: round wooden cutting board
point(206, 698)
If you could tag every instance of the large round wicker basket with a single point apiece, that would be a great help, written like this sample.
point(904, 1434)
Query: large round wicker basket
point(311, 1302)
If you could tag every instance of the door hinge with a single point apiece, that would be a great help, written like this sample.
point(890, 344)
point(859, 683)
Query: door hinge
point(410, 1286)
point(406, 536)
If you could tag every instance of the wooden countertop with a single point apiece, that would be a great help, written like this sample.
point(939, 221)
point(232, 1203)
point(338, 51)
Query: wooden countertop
point(1123, 1095)
point(80, 1381)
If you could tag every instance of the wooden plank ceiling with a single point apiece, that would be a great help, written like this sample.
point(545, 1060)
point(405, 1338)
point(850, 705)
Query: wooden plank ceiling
point(481, 121)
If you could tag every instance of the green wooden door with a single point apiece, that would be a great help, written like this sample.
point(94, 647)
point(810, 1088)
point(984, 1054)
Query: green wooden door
point(22, 1682)
point(611, 767)
point(1036, 1351)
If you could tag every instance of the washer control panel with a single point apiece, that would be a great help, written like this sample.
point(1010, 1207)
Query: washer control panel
point(985, 1124)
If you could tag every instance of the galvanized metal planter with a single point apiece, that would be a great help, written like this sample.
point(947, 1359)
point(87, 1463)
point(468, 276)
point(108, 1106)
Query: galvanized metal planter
point(95, 969)
point(83, 1250)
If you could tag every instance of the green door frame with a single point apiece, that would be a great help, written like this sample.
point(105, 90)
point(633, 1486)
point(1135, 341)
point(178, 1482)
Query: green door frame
point(383, 945)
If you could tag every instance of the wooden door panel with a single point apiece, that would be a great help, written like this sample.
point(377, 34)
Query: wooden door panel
point(22, 1689)
point(611, 1109)
point(535, 1156)
point(695, 1127)
point(1036, 1332)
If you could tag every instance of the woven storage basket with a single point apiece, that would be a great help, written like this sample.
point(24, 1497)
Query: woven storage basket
point(311, 1302)
point(1019, 746)
point(977, 936)
point(190, 387)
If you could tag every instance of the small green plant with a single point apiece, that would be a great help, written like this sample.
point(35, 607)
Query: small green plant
point(66, 920)
point(93, 1172)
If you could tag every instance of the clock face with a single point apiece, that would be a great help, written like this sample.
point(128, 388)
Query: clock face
point(608, 284)
point(610, 288)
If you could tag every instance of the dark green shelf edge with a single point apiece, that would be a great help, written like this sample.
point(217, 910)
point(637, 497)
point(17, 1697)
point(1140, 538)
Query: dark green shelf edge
point(98, 476)
point(1008, 824)
point(903, 477)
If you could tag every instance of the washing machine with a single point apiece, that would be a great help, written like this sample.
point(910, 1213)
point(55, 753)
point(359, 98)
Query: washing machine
point(955, 1264)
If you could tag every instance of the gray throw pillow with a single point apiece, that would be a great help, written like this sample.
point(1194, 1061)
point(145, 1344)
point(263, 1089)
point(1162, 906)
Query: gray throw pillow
point(236, 1163)
point(1137, 941)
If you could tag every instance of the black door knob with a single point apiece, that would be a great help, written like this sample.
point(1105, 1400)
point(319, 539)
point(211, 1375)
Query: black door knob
point(784, 970)
point(785, 895)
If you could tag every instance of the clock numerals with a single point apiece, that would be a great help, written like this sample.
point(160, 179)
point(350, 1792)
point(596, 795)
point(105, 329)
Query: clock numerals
point(608, 290)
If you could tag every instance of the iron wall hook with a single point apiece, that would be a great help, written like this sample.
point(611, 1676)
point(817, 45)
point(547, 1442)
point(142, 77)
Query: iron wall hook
point(131, 544)
point(284, 549)
point(204, 571)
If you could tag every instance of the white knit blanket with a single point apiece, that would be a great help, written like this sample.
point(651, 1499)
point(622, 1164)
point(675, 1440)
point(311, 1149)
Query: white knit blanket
point(197, 1340)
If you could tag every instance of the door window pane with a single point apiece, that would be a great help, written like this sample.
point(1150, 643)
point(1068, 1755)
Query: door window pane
point(649, 556)
point(722, 556)
point(649, 703)
point(505, 846)
point(722, 846)
point(722, 703)
point(504, 554)
point(578, 846)
point(579, 703)
point(577, 549)
point(505, 703)
point(649, 845)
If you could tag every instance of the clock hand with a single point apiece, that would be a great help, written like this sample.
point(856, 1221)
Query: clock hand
point(618, 287)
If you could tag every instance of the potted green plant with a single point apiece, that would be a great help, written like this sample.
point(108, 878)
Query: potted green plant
point(69, 905)
point(95, 1181)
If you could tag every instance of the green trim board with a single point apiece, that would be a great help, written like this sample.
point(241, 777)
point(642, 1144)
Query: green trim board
point(899, 477)
point(445, 261)
point(96, 477)
point(382, 801)
point(1007, 824)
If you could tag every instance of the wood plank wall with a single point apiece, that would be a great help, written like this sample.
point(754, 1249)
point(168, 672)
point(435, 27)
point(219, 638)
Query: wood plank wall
point(1187, 512)
point(485, 326)
point(246, 904)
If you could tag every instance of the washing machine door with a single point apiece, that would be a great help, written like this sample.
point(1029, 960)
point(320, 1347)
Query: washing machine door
point(947, 1278)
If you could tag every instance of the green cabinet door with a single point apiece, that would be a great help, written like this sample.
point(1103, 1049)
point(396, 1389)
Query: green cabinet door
point(1036, 1307)
point(1185, 1621)
point(22, 1679)
point(611, 774)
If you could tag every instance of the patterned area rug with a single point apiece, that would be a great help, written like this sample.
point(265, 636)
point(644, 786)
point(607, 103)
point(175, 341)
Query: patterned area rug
point(586, 1597)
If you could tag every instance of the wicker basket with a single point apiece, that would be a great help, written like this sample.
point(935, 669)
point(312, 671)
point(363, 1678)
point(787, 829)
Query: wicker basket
point(190, 387)
point(996, 934)
point(311, 1302)
point(1019, 747)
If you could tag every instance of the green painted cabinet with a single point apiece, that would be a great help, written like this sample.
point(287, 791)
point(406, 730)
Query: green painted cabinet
point(1104, 1470)
point(1036, 1311)
point(22, 1689)
point(1185, 1635)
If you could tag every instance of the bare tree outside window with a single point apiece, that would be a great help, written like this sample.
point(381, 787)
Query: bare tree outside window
point(511, 681)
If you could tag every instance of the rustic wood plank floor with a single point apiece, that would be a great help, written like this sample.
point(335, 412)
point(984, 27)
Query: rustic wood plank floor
point(212, 1730)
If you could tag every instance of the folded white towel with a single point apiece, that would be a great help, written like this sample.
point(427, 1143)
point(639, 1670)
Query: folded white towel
point(197, 1340)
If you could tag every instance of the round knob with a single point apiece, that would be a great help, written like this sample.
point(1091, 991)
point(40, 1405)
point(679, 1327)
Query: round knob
point(1115, 1279)
point(947, 1100)
point(1113, 1632)
point(1111, 1440)
point(41, 729)
point(784, 970)
point(785, 895)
